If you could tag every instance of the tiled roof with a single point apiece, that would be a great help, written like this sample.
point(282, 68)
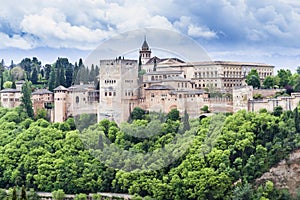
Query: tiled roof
point(9, 90)
point(160, 87)
point(61, 88)
point(42, 91)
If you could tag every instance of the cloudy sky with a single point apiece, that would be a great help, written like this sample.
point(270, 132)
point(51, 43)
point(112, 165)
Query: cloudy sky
point(243, 30)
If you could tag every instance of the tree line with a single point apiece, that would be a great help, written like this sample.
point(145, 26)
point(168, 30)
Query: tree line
point(284, 79)
point(61, 72)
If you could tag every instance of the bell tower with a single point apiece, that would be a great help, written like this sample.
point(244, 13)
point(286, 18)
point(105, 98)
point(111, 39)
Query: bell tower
point(145, 52)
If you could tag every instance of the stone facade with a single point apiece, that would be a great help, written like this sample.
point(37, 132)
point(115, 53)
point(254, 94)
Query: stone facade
point(119, 89)
point(74, 101)
point(10, 98)
point(169, 83)
point(243, 100)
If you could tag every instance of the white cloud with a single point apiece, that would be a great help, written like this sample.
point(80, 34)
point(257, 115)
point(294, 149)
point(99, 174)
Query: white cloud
point(204, 32)
point(86, 23)
point(15, 41)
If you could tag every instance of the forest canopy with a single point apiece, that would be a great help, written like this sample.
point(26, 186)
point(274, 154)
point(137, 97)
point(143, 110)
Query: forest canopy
point(221, 155)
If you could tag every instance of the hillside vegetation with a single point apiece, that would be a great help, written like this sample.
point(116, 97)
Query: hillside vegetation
point(221, 156)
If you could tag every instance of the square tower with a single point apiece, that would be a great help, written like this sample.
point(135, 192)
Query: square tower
point(118, 90)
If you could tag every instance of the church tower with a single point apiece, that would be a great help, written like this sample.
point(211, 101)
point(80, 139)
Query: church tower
point(145, 52)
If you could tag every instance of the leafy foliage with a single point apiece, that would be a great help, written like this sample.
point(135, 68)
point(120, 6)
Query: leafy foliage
point(253, 78)
point(26, 98)
point(225, 155)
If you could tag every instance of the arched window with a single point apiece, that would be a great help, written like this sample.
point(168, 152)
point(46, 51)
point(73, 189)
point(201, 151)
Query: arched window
point(77, 99)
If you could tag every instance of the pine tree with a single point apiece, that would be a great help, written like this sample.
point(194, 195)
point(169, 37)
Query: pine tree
point(51, 82)
point(26, 99)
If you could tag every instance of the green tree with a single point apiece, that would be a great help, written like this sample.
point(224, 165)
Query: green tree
point(34, 76)
point(284, 77)
point(92, 75)
point(297, 120)
point(80, 196)
point(3, 194)
point(1, 75)
point(277, 111)
point(7, 84)
point(41, 114)
point(23, 193)
point(97, 197)
point(52, 82)
point(69, 75)
point(186, 123)
point(75, 73)
point(47, 71)
point(62, 78)
point(137, 113)
point(253, 79)
point(297, 84)
point(173, 115)
point(32, 195)
point(269, 82)
point(26, 64)
point(26, 99)
point(205, 109)
point(14, 194)
point(17, 73)
point(58, 194)
point(13, 85)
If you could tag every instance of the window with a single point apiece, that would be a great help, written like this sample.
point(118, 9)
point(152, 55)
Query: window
point(77, 99)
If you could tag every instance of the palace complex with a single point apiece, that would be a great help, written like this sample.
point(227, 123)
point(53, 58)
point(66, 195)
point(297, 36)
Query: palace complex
point(156, 84)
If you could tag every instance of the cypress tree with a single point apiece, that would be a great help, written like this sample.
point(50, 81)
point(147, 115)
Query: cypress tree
point(186, 123)
point(34, 76)
point(69, 75)
point(47, 71)
point(92, 75)
point(14, 194)
point(26, 99)
point(75, 73)
point(51, 82)
point(13, 86)
point(23, 193)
